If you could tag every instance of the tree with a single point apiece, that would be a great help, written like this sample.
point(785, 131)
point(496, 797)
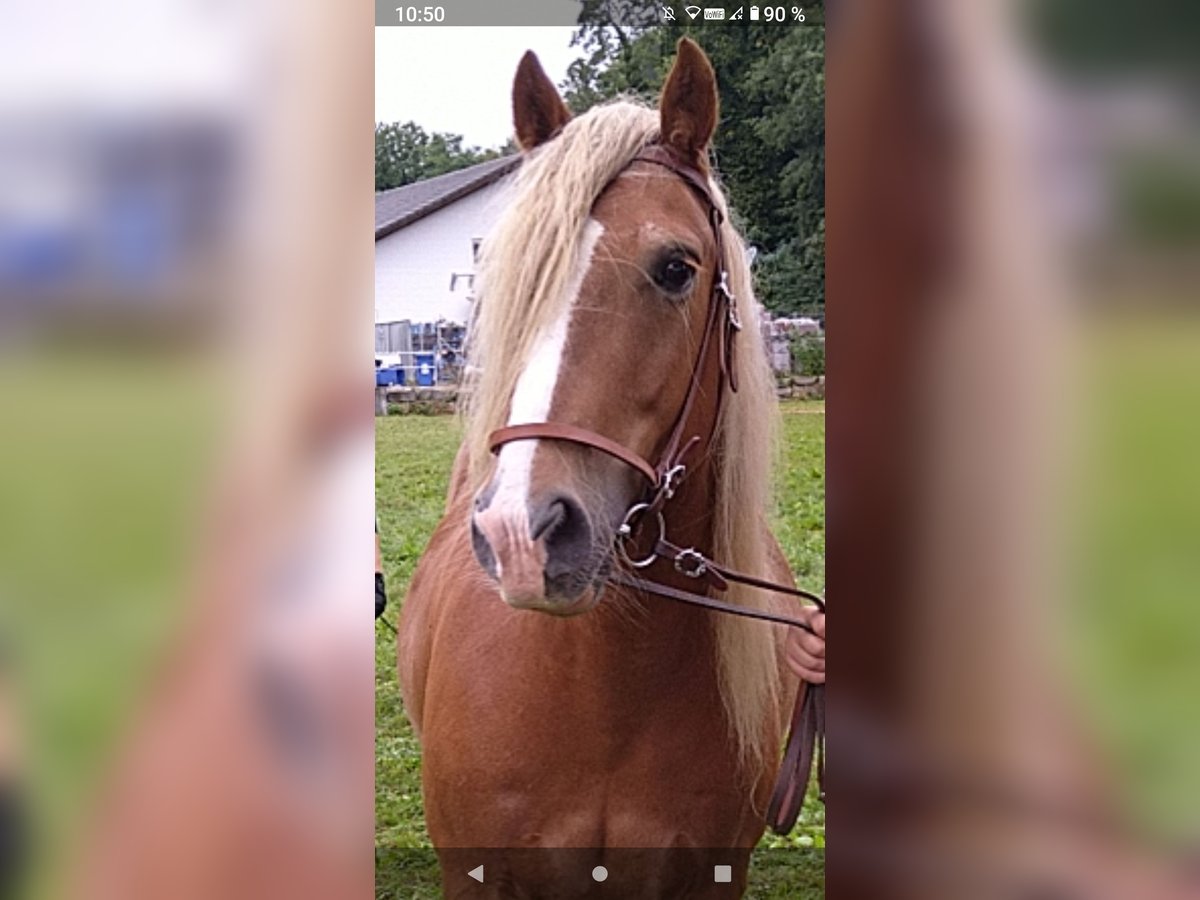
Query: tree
point(1098, 37)
point(405, 152)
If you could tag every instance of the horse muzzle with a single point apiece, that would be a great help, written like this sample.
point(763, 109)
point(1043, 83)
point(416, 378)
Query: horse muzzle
point(542, 553)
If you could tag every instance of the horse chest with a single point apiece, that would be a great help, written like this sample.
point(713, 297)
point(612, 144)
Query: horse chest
point(572, 765)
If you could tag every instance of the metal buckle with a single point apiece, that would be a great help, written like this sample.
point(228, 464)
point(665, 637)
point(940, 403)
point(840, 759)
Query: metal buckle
point(670, 479)
point(723, 285)
point(730, 301)
point(691, 562)
point(625, 534)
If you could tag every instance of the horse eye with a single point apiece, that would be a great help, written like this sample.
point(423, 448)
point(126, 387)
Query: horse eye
point(675, 276)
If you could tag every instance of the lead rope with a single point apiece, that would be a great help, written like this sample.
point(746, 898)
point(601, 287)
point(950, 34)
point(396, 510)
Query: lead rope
point(806, 731)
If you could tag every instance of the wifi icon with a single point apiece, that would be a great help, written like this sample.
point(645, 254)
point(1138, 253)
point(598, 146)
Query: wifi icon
point(692, 11)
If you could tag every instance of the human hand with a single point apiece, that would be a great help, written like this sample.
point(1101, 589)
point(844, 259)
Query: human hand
point(805, 653)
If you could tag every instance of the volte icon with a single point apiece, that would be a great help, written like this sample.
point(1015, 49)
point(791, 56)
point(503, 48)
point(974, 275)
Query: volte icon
point(692, 11)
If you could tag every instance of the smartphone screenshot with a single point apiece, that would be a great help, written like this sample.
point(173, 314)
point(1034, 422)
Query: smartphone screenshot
point(600, 464)
point(606, 492)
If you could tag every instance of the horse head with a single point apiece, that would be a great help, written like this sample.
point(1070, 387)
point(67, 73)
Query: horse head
point(617, 350)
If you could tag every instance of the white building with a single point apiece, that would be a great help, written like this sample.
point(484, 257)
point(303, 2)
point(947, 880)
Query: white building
point(426, 237)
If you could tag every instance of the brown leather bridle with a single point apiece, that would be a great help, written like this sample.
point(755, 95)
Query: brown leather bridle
point(806, 735)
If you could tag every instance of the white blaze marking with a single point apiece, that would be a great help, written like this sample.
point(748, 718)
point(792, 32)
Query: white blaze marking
point(534, 391)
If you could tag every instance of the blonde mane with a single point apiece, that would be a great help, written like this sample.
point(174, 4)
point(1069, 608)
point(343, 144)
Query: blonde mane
point(524, 268)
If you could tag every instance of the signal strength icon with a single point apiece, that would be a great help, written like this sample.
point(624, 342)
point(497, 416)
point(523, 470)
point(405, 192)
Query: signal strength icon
point(692, 11)
point(736, 15)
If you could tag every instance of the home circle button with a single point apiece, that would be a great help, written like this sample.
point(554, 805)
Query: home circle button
point(599, 873)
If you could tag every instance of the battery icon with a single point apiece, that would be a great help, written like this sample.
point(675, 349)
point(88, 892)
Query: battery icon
point(754, 13)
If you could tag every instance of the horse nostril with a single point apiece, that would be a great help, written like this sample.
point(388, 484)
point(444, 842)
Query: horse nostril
point(563, 525)
point(552, 516)
point(483, 549)
point(483, 499)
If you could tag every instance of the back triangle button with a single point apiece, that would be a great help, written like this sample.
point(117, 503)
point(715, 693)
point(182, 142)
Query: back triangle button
point(477, 874)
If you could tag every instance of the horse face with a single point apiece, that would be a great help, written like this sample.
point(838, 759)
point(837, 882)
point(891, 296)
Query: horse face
point(618, 362)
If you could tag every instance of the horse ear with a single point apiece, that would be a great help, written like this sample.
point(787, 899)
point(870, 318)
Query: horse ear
point(688, 108)
point(538, 111)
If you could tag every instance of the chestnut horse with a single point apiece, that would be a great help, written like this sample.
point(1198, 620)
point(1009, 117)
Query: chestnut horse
point(553, 711)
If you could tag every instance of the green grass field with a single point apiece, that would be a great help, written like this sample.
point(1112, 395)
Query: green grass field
point(104, 460)
point(413, 459)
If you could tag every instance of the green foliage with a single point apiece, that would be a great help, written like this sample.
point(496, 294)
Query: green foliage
point(1100, 36)
point(791, 280)
point(405, 152)
point(808, 354)
point(421, 408)
point(413, 458)
point(1159, 196)
point(770, 146)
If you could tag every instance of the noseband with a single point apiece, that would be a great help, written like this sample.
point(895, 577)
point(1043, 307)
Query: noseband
point(806, 734)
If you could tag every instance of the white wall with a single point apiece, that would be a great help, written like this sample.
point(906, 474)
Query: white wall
point(414, 265)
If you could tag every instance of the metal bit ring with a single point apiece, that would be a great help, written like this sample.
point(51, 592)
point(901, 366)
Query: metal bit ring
point(625, 535)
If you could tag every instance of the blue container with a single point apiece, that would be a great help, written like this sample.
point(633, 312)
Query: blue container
point(389, 376)
point(426, 373)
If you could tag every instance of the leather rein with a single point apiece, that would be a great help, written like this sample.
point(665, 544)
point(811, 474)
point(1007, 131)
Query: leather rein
point(806, 734)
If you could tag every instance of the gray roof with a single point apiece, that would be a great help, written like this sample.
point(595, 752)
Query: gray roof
point(406, 204)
